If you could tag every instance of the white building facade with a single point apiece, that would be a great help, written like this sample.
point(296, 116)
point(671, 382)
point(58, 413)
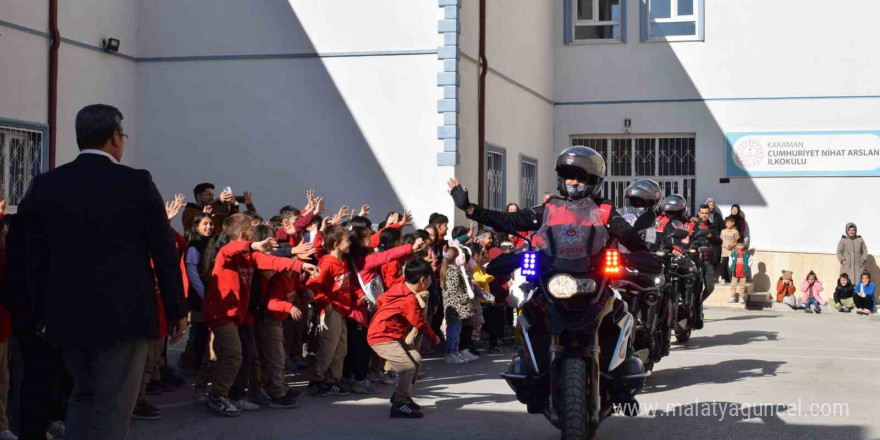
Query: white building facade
point(377, 102)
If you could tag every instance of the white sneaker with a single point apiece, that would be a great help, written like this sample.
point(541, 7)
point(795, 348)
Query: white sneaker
point(468, 356)
point(452, 359)
point(7, 435)
point(464, 359)
point(245, 405)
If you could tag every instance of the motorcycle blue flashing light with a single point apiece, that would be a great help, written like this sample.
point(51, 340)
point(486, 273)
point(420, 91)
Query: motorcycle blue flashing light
point(529, 265)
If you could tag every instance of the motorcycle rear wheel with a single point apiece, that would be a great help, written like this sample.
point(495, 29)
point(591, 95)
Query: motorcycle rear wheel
point(575, 420)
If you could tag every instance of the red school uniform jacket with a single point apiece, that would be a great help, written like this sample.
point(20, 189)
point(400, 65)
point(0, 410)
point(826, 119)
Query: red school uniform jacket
point(278, 290)
point(333, 286)
point(369, 267)
point(392, 274)
point(181, 244)
point(396, 311)
point(228, 294)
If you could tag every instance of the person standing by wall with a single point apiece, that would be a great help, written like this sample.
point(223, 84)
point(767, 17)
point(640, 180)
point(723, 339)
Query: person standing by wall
point(742, 226)
point(852, 251)
point(100, 308)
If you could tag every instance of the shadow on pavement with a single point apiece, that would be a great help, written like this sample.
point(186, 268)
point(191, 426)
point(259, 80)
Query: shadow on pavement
point(721, 373)
point(743, 318)
point(738, 338)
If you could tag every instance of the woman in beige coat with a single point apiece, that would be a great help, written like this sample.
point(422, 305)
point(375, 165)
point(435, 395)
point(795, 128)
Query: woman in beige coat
point(852, 252)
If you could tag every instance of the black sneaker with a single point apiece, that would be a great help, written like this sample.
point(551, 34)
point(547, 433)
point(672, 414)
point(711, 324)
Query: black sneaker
point(170, 377)
point(154, 388)
point(318, 389)
point(221, 405)
point(408, 401)
point(401, 410)
point(284, 402)
point(294, 394)
point(145, 411)
point(336, 390)
point(818, 310)
point(474, 351)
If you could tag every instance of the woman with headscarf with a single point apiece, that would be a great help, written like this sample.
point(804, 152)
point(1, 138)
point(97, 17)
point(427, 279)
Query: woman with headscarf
point(741, 225)
point(852, 251)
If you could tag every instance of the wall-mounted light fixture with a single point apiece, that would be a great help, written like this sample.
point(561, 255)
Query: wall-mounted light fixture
point(111, 44)
point(627, 125)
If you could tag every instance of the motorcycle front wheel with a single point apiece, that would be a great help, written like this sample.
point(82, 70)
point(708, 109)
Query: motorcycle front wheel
point(682, 337)
point(575, 421)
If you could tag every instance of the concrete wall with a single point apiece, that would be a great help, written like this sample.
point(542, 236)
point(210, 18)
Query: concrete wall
point(359, 129)
point(519, 89)
point(85, 76)
point(753, 49)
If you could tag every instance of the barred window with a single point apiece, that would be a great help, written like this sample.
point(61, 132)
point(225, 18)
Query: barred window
point(21, 158)
point(496, 178)
point(528, 182)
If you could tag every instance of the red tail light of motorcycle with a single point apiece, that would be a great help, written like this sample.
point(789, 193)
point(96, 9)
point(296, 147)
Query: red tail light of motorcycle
point(612, 263)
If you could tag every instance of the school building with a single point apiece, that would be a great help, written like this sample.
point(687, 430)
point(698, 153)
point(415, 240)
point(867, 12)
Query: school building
point(753, 102)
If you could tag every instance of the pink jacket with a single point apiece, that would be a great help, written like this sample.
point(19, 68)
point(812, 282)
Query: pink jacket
point(814, 292)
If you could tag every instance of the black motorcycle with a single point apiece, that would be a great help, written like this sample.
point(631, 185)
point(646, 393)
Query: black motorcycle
point(685, 274)
point(577, 364)
point(650, 300)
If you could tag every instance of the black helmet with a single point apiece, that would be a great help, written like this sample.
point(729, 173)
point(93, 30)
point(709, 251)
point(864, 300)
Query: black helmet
point(643, 194)
point(581, 163)
point(674, 207)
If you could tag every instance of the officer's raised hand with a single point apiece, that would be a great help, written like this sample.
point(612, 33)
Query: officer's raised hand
point(459, 194)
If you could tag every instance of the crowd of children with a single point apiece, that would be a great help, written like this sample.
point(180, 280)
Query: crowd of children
point(354, 304)
point(846, 297)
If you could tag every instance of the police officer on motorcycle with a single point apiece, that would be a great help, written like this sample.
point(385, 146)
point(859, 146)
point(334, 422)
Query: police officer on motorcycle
point(674, 216)
point(580, 172)
point(642, 198)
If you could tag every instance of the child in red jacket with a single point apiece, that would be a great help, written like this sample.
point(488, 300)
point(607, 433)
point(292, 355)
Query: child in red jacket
point(279, 294)
point(333, 299)
point(235, 258)
point(397, 311)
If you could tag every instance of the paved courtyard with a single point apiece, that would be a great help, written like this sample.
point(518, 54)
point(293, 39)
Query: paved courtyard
point(748, 374)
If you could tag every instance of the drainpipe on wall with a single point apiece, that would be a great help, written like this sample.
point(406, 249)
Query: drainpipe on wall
point(481, 107)
point(53, 78)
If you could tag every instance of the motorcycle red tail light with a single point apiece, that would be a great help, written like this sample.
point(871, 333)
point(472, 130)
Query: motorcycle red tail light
point(612, 266)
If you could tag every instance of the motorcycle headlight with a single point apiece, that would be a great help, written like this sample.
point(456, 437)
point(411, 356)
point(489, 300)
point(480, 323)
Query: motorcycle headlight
point(563, 286)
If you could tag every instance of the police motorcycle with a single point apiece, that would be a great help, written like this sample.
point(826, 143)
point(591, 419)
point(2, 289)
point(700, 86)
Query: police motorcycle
point(576, 363)
point(649, 296)
point(682, 253)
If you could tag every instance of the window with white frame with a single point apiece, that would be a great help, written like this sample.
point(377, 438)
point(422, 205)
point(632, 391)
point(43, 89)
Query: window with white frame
point(597, 20)
point(674, 20)
point(496, 178)
point(21, 158)
point(528, 182)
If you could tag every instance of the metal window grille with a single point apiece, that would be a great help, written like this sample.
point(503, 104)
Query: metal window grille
point(669, 160)
point(495, 180)
point(21, 158)
point(528, 183)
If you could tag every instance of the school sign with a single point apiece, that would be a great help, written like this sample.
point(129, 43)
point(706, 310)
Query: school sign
point(803, 153)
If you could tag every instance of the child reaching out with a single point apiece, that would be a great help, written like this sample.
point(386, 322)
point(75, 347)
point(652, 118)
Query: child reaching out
point(812, 287)
point(843, 295)
point(234, 259)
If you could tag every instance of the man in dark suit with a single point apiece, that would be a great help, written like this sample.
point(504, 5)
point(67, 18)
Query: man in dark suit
point(92, 227)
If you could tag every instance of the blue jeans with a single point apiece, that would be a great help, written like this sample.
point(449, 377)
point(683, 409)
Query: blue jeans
point(453, 334)
point(811, 302)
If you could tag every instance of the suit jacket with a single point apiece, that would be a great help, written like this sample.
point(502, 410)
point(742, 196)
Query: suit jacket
point(91, 228)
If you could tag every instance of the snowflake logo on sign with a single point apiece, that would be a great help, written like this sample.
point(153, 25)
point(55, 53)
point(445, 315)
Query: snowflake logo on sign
point(749, 153)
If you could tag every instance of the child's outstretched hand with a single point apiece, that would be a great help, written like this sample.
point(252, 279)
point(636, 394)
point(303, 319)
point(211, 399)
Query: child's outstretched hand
point(266, 246)
point(296, 313)
point(173, 208)
point(418, 245)
point(311, 269)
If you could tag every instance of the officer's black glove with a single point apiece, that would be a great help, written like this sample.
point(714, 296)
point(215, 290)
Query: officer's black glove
point(460, 198)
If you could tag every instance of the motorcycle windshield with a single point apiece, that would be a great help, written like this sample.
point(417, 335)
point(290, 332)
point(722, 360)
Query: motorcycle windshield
point(573, 231)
